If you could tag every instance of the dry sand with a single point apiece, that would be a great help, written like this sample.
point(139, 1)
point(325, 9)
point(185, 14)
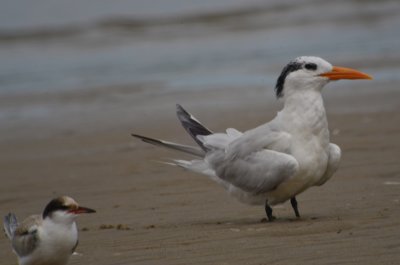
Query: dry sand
point(150, 213)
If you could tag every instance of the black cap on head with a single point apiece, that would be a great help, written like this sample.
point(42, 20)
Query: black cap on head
point(290, 67)
point(54, 205)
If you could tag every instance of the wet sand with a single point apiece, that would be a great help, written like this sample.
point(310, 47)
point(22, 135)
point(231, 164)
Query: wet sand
point(150, 213)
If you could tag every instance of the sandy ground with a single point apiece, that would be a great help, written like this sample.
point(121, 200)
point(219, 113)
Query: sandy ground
point(149, 213)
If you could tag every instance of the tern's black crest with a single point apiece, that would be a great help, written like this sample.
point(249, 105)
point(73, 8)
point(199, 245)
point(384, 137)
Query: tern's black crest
point(290, 67)
point(54, 205)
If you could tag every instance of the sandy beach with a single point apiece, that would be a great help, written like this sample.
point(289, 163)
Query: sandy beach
point(150, 213)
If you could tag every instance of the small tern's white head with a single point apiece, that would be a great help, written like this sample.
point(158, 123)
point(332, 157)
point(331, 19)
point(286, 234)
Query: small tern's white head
point(311, 73)
point(64, 209)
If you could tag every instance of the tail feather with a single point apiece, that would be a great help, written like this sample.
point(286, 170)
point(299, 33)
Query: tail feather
point(192, 125)
point(179, 147)
point(10, 225)
point(200, 166)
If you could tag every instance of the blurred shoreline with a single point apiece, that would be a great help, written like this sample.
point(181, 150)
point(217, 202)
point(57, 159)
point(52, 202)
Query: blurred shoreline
point(135, 106)
point(227, 43)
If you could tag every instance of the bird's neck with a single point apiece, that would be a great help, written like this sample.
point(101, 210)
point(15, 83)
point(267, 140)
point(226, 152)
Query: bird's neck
point(304, 111)
point(57, 220)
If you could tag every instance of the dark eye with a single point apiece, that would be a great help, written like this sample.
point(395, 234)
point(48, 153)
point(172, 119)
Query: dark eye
point(310, 66)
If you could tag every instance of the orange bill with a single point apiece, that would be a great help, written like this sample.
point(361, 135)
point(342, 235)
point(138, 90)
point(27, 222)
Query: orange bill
point(338, 73)
point(81, 209)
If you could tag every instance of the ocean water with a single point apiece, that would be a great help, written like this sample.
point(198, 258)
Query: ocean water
point(50, 45)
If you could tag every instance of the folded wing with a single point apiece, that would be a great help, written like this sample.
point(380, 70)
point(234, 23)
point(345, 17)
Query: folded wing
point(10, 224)
point(256, 161)
point(25, 238)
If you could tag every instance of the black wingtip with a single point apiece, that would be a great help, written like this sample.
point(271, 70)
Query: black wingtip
point(137, 136)
point(144, 138)
point(192, 125)
point(179, 108)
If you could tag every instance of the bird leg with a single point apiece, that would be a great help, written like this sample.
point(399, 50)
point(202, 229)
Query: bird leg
point(268, 211)
point(293, 201)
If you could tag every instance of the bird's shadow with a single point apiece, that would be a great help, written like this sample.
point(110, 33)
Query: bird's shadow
point(258, 222)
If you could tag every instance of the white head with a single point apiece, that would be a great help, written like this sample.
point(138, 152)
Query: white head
point(311, 73)
point(64, 209)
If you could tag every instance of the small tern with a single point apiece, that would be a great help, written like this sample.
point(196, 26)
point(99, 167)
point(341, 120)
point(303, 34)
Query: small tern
point(47, 239)
point(276, 161)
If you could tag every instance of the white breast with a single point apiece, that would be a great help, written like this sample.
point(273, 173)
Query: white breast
point(307, 124)
point(55, 246)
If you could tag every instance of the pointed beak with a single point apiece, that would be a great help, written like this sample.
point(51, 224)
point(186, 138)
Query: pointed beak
point(81, 210)
point(338, 73)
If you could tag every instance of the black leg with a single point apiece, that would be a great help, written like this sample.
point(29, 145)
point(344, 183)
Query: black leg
point(268, 211)
point(293, 201)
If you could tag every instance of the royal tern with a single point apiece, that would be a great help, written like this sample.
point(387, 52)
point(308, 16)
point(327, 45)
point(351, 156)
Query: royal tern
point(47, 239)
point(276, 161)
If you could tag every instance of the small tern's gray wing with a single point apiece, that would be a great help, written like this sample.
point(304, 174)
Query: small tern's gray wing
point(256, 173)
point(10, 224)
point(25, 238)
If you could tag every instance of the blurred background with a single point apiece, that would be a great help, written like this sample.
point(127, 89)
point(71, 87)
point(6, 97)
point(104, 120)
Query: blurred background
point(71, 57)
point(78, 76)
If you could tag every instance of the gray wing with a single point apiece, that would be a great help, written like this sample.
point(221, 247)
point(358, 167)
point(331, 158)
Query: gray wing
point(10, 224)
point(256, 162)
point(256, 173)
point(25, 239)
point(268, 136)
